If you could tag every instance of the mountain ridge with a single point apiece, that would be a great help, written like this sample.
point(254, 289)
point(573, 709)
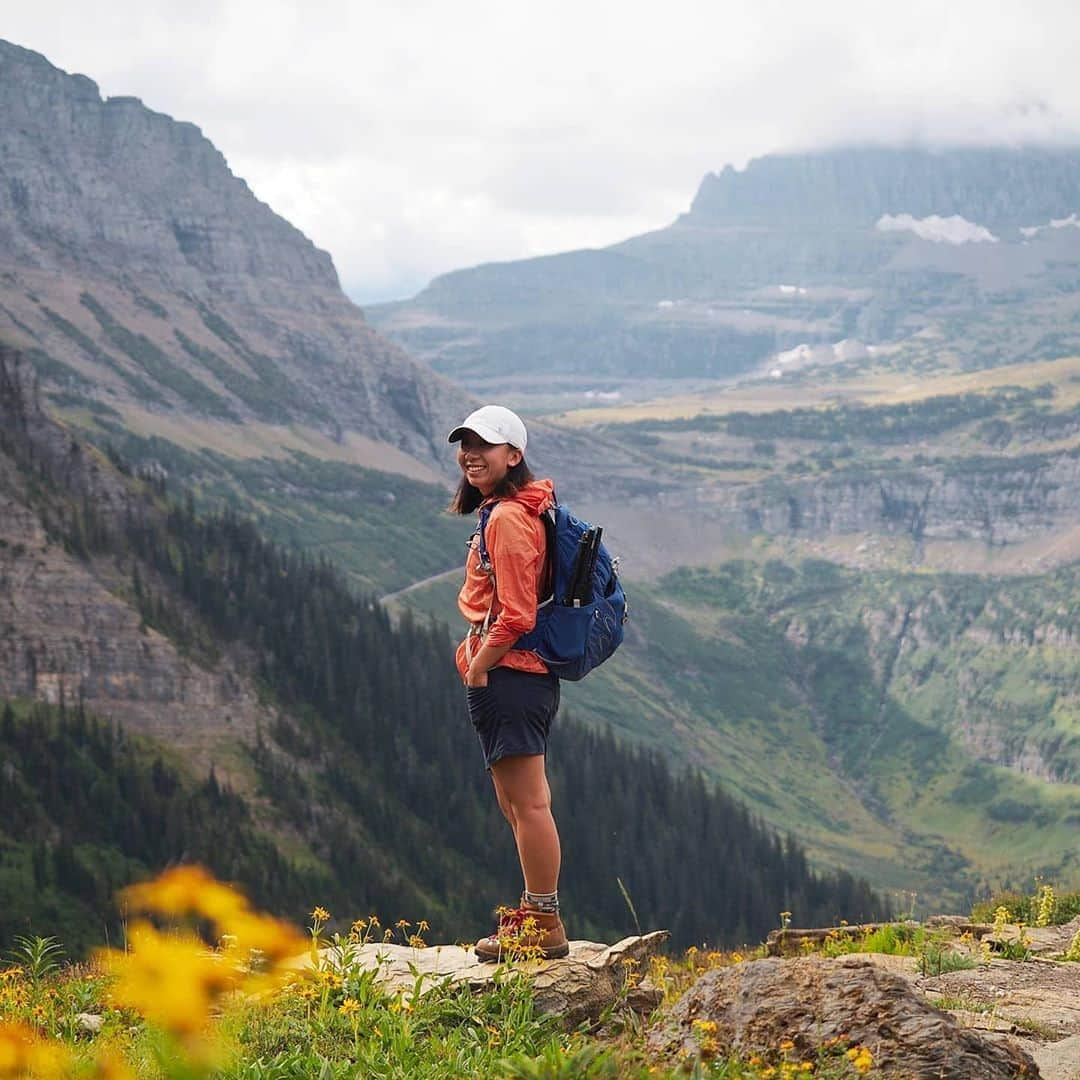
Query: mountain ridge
point(141, 276)
point(995, 186)
point(866, 245)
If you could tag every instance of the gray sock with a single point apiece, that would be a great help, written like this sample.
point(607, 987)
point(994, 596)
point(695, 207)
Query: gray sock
point(545, 901)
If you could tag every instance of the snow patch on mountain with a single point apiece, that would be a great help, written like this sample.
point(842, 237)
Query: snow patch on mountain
point(1072, 221)
point(939, 230)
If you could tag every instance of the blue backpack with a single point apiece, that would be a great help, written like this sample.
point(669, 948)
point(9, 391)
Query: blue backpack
point(580, 624)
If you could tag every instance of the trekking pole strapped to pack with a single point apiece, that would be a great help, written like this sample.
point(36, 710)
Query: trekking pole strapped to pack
point(580, 622)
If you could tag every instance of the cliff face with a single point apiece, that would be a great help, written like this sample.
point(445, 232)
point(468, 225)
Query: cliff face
point(138, 273)
point(997, 501)
point(68, 630)
point(112, 183)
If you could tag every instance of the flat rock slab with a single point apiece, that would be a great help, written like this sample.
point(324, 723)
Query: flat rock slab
point(1046, 940)
point(1060, 1060)
point(1038, 997)
point(579, 987)
point(811, 1000)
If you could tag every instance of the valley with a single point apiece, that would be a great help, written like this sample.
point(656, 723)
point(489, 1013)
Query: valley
point(837, 450)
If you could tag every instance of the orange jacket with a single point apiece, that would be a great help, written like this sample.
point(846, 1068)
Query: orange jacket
point(517, 546)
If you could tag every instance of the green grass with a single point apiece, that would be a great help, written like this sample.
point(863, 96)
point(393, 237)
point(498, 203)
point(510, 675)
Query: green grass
point(1027, 908)
point(161, 368)
point(338, 1021)
point(385, 531)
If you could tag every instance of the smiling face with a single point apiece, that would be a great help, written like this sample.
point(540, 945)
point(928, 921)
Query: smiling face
point(485, 464)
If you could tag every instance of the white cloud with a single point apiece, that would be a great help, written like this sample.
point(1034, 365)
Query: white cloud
point(940, 230)
point(415, 137)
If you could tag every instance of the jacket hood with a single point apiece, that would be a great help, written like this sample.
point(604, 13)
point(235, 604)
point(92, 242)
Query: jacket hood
point(537, 496)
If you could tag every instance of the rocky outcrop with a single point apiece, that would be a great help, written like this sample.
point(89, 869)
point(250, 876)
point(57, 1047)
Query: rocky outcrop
point(576, 989)
point(816, 1003)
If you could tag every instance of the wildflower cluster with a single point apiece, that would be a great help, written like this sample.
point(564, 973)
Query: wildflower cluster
point(861, 1059)
point(1011, 948)
point(1073, 951)
point(1044, 906)
point(518, 934)
point(169, 976)
point(1047, 905)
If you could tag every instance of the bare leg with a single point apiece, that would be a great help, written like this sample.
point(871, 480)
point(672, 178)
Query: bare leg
point(521, 780)
point(504, 804)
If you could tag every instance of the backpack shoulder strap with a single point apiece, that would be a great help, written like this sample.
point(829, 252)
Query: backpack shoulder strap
point(481, 543)
point(549, 519)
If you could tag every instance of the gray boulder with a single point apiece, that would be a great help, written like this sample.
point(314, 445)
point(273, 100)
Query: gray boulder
point(817, 1002)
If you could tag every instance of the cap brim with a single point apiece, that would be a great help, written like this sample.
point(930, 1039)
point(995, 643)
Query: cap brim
point(486, 433)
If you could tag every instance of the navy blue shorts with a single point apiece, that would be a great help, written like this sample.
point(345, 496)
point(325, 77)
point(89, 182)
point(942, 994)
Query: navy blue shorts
point(513, 713)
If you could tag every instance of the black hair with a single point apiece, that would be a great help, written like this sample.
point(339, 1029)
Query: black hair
point(467, 497)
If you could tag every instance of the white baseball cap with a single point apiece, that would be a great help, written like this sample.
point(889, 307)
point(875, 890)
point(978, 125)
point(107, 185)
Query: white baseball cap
point(494, 424)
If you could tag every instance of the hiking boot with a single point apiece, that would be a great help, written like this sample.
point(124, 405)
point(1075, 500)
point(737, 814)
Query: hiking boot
point(524, 932)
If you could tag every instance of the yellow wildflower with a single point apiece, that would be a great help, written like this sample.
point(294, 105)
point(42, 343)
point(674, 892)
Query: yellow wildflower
point(861, 1058)
point(806, 1066)
point(186, 890)
point(276, 940)
point(170, 979)
point(787, 1045)
point(423, 927)
point(1047, 906)
point(709, 1027)
point(349, 1006)
point(24, 1053)
point(320, 914)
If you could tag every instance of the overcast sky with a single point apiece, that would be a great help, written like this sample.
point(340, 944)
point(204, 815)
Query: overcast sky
point(409, 138)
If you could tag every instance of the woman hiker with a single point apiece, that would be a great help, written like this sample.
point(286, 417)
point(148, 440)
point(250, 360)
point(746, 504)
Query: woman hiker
point(512, 697)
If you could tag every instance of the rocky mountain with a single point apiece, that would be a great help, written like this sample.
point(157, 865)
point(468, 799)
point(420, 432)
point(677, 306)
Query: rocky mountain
point(870, 246)
point(150, 287)
point(172, 315)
